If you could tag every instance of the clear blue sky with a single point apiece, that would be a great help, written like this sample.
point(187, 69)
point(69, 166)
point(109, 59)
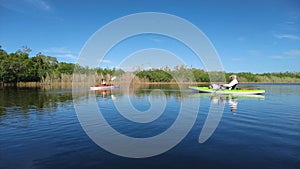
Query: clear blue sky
point(249, 36)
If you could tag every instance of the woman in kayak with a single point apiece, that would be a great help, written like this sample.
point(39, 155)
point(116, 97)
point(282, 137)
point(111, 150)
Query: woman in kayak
point(103, 82)
point(232, 84)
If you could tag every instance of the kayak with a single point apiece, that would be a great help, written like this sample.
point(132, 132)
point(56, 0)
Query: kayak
point(103, 87)
point(227, 91)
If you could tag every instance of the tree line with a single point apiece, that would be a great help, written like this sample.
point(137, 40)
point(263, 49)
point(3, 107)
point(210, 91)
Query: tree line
point(19, 67)
point(199, 75)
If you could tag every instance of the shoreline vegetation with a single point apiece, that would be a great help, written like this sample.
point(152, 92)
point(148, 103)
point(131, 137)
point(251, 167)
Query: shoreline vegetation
point(19, 70)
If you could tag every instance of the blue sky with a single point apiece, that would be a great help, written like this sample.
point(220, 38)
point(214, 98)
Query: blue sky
point(249, 36)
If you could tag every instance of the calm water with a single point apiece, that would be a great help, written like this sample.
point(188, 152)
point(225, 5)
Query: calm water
point(40, 129)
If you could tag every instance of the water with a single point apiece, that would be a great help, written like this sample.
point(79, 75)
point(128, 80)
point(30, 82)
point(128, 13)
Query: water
point(40, 129)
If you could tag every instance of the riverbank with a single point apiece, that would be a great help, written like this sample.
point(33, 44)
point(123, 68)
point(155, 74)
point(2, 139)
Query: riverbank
point(68, 85)
point(64, 85)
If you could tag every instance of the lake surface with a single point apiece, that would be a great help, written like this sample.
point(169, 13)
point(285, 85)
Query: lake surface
point(40, 128)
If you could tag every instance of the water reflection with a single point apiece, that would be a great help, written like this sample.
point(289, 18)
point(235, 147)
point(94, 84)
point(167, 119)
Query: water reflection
point(139, 92)
point(142, 91)
point(103, 93)
point(27, 100)
point(233, 104)
point(231, 100)
point(22, 100)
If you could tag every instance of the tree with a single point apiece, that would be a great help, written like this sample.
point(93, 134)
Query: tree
point(200, 75)
point(67, 68)
point(44, 66)
point(3, 67)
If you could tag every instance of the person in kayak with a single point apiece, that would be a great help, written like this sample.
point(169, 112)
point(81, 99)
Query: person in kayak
point(232, 84)
point(103, 82)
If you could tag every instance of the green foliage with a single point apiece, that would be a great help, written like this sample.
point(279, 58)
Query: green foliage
point(14, 67)
point(283, 74)
point(200, 75)
point(155, 75)
point(19, 67)
point(249, 76)
point(105, 71)
point(43, 66)
point(66, 68)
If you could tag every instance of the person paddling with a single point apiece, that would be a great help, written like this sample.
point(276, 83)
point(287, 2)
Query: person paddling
point(232, 84)
point(103, 82)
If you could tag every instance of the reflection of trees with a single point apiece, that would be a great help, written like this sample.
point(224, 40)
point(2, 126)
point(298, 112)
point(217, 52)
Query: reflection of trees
point(140, 91)
point(144, 90)
point(2, 111)
point(22, 99)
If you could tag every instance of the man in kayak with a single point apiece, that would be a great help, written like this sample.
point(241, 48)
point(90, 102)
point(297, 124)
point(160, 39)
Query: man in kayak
point(232, 84)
